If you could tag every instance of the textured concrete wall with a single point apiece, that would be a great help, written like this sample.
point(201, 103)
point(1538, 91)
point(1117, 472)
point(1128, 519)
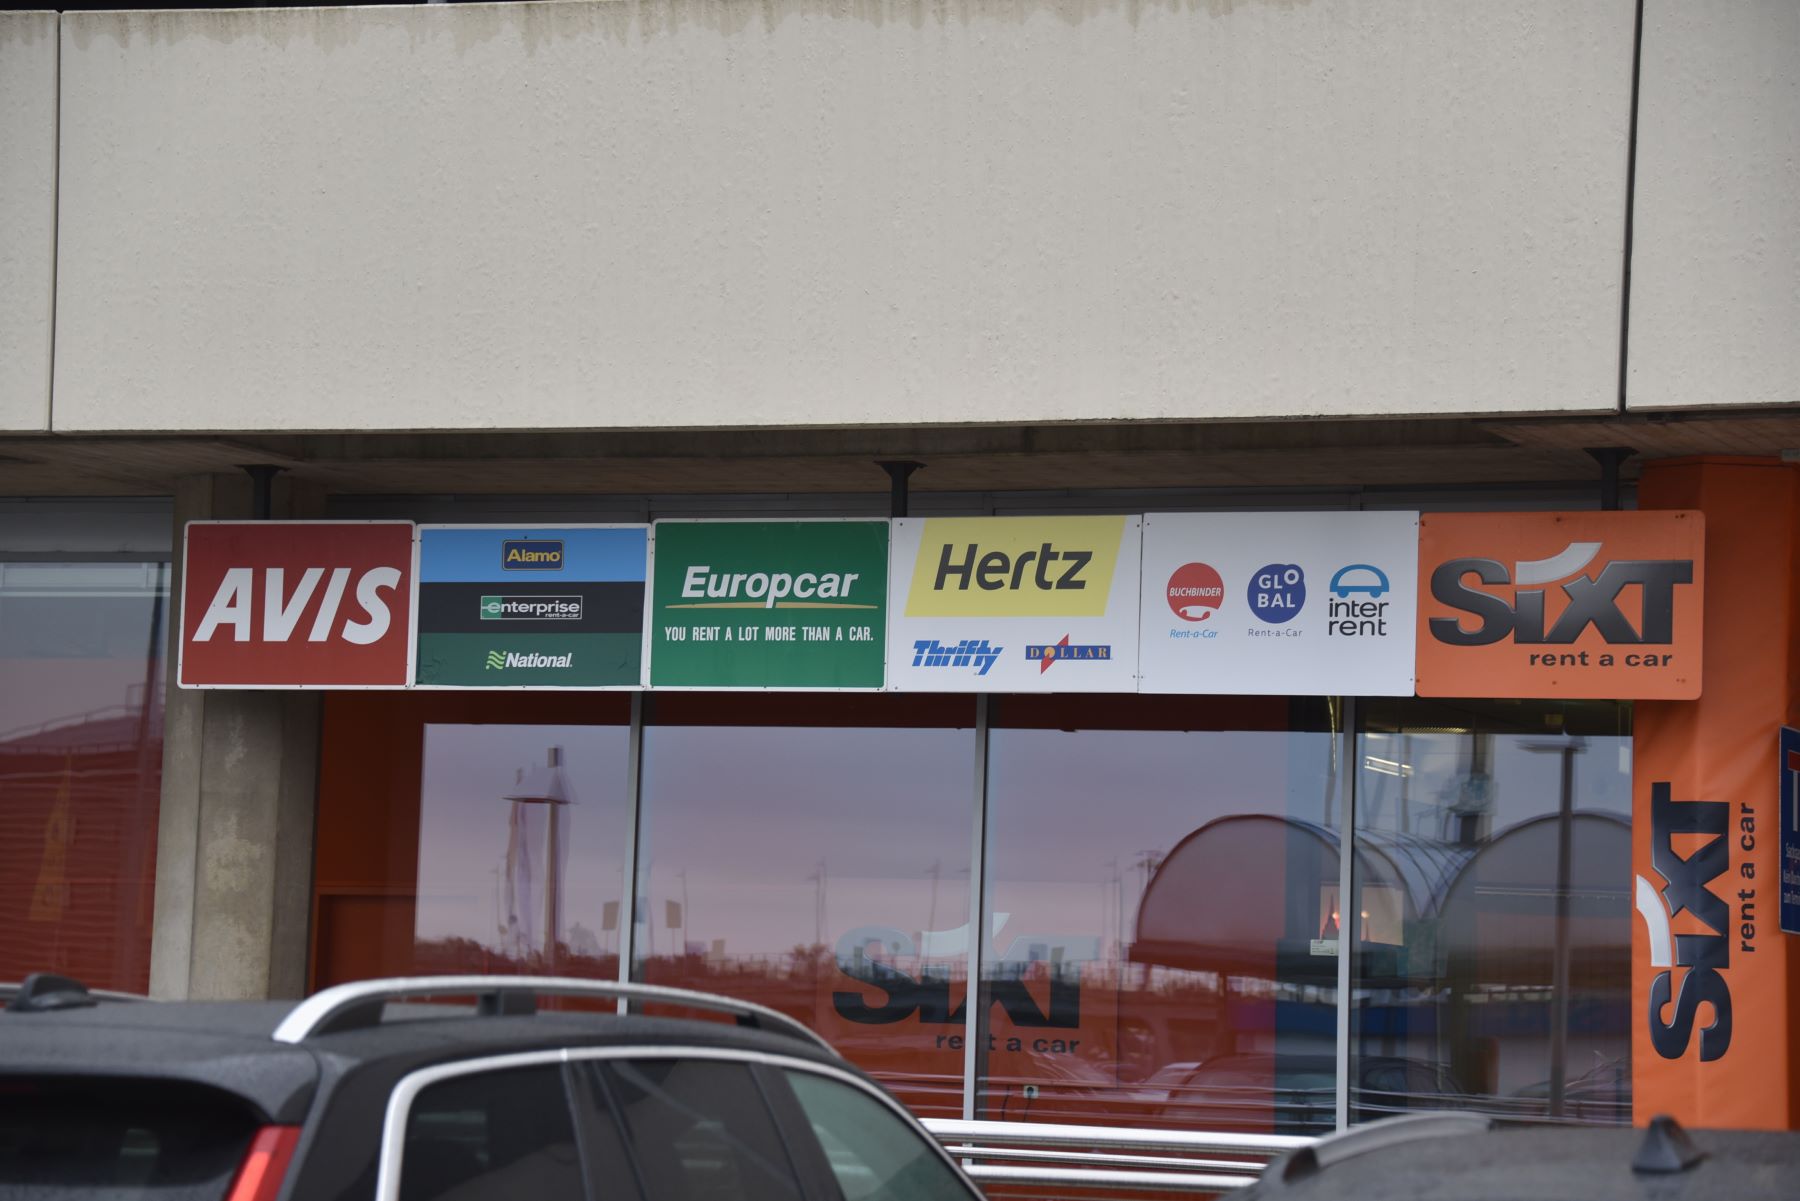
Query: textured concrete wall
point(718, 212)
point(1715, 297)
point(27, 216)
point(235, 832)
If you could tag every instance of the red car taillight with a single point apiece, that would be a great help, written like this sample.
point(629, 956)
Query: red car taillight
point(265, 1164)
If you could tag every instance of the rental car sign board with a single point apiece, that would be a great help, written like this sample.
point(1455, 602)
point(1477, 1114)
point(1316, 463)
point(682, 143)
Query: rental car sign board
point(795, 605)
point(297, 604)
point(502, 607)
point(1014, 604)
point(1588, 604)
point(1277, 603)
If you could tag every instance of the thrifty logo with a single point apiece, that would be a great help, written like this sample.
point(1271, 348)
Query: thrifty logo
point(531, 608)
point(970, 652)
point(1015, 567)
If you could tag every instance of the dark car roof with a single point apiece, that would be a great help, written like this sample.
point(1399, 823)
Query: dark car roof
point(230, 1045)
point(1544, 1164)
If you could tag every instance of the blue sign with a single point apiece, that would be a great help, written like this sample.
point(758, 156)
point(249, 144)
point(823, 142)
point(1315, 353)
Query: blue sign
point(1277, 593)
point(501, 607)
point(1789, 849)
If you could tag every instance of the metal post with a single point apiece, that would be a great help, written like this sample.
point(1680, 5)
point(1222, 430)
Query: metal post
point(262, 478)
point(1348, 933)
point(1610, 458)
point(634, 776)
point(1559, 971)
point(899, 471)
point(980, 919)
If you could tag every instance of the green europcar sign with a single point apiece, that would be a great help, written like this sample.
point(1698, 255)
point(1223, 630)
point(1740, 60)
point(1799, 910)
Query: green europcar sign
point(768, 604)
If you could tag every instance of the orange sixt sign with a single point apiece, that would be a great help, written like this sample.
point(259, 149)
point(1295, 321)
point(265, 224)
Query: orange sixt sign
point(1596, 604)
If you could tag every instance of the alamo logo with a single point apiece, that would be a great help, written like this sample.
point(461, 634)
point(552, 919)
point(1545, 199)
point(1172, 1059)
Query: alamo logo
point(1702, 959)
point(500, 660)
point(532, 555)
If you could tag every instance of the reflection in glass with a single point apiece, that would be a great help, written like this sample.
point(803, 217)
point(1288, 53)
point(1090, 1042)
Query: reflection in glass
point(823, 871)
point(1162, 901)
point(1507, 827)
point(81, 728)
point(522, 854)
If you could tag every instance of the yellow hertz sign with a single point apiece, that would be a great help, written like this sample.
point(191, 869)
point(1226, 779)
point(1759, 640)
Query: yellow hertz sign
point(1015, 566)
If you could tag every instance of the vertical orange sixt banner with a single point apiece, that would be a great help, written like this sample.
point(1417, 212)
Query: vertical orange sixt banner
point(1715, 983)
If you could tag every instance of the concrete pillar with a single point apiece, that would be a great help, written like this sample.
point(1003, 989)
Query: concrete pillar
point(239, 790)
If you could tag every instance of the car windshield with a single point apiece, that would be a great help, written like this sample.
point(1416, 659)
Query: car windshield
point(102, 1138)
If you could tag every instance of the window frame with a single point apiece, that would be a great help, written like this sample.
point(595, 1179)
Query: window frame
point(782, 1105)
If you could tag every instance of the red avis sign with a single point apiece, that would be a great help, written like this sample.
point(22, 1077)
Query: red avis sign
point(297, 604)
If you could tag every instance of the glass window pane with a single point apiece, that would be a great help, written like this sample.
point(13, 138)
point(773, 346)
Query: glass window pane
point(497, 1135)
point(1163, 876)
point(873, 1154)
point(818, 864)
point(81, 720)
point(522, 849)
point(424, 800)
point(699, 1130)
point(1493, 963)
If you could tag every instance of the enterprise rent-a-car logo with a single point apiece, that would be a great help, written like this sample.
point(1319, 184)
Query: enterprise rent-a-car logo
point(531, 608)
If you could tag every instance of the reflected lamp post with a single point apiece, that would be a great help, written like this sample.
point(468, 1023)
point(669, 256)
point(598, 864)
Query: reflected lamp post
point(1567, 748)
point(544, 785)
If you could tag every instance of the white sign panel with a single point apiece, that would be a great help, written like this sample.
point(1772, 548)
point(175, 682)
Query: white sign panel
point(1279, 603)
point(1013, 604)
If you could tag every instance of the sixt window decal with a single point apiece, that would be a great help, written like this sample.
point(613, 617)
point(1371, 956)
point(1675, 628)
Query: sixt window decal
point(1702, 958)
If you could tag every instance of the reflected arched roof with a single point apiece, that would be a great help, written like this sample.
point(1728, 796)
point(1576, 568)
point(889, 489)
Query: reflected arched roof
point(1221, 896)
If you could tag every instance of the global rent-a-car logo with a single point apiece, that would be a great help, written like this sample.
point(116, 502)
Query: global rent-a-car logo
point(1276, 594)
point(1701, 959)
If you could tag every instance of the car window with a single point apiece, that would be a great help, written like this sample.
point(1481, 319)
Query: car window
point(697, 1130)
point(874, 1153)
point(100, 1138)
point(492, 1136)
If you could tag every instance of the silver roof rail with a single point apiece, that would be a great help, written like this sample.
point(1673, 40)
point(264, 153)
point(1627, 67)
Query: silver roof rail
point(347, 1006)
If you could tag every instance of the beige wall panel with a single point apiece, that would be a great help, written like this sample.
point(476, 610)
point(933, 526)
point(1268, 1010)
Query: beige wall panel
point(1715, 282)
point(715, 213)
point(27, 216)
